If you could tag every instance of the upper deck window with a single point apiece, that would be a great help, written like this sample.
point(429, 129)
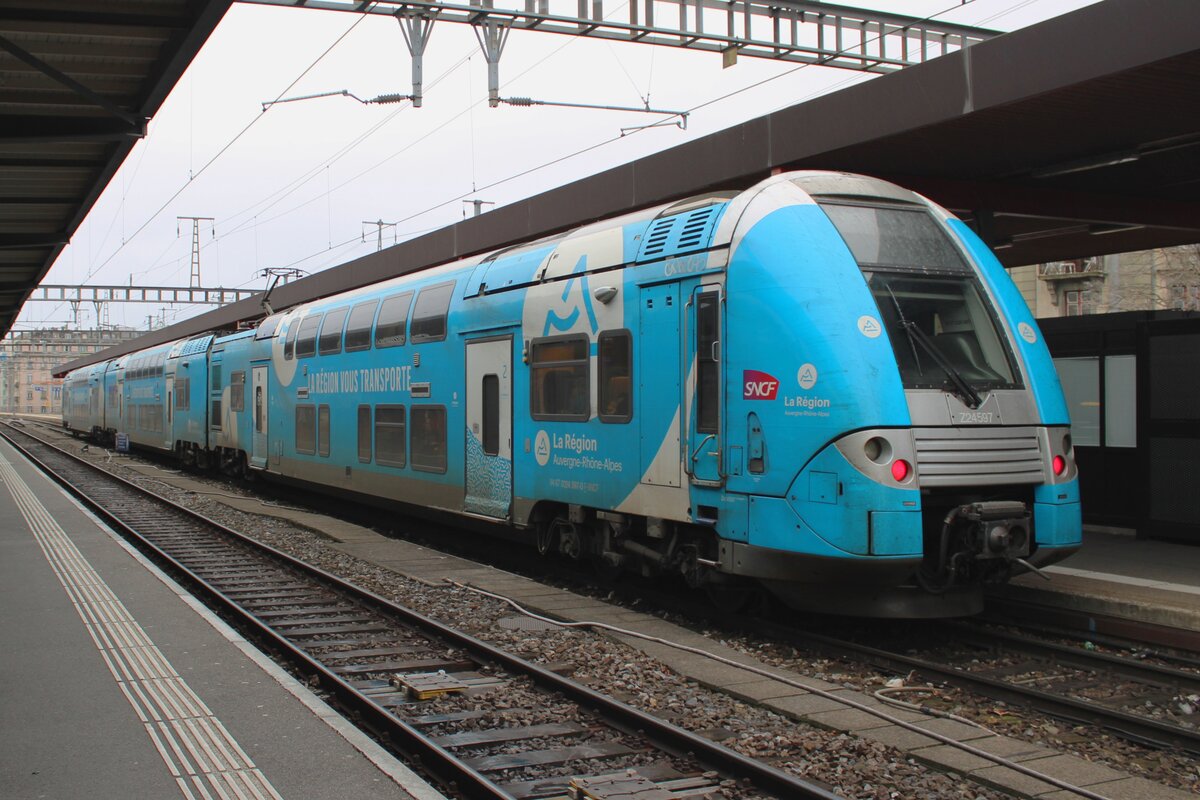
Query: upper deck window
point(429, 313)
point(358, 326)
point(393, 316)
point(306, 340)
point(895, 237)
point(330, 339)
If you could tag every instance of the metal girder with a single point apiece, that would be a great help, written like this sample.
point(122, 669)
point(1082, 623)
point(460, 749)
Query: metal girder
point(133, 122)
point(33, 128)
point(782, 30)
point(142, 294)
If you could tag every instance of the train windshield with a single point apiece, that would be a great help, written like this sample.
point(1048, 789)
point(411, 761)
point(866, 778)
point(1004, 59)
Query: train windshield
point(942, 332)
point(942, 328)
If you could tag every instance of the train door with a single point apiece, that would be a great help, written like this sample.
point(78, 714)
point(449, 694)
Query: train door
point(489, 427)
point(704, 432)
point(169, 412)
point(658, 397)
point(259, 445)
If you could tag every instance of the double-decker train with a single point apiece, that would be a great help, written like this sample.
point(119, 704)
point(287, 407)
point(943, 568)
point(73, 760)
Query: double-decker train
point(824, 385)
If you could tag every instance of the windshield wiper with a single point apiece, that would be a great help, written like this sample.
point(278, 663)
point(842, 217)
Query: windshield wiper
point(964, 390)
point(917, 336)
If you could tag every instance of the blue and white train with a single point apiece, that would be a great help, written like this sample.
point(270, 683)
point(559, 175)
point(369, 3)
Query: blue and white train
point(824, 384)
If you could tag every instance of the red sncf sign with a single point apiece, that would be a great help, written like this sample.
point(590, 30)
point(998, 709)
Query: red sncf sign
point(758, 385)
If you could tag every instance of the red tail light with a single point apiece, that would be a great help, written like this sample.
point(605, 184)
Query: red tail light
point(900, 470)
point(1059, 464)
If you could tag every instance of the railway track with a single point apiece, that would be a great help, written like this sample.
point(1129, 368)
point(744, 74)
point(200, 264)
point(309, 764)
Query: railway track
point(1118, 693)
point(482, 722)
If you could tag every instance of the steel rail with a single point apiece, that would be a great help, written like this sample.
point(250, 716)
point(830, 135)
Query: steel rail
point(1064, 654)
point(433, 757)
point(1137, 728)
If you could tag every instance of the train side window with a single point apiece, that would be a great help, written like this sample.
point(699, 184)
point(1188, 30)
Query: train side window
point(306, 339)
point(616, 376)
point(214, 395)
point(183, 397)
point(429, 313)
point(237, 391)
point(389, 436)
point(364, 434)
point(266, 328)
point(393, 316)
point(429, 438)
point(289, 344)
point(358, 327)
point(559, 378)
point(330, 340)
point(708, 307)
point(323, 430)
point(306, 429)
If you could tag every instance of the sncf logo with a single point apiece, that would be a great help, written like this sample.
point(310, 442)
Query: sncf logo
point(758, 385)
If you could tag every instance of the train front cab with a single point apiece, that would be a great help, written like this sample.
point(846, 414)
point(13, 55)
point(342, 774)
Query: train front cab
point(879, 475)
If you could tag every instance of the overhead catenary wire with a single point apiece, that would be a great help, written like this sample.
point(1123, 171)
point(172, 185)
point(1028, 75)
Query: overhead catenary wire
point(551, 162)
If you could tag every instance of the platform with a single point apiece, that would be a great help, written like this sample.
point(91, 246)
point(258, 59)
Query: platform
point(1111, 563)
point(1119, 575)
point(113, 683)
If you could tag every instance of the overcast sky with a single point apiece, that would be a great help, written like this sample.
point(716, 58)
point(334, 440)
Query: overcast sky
point(293, 188)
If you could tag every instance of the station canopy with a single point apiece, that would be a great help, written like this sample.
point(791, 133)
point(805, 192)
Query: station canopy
point(1075, 137)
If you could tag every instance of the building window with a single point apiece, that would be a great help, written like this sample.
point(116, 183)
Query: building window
point(559, 378)
point(616, 376)
point(1080, 378)
point(429, 438)
point(389, 436)
point(1078, 302)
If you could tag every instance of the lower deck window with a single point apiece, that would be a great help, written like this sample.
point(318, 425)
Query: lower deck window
point(390, 423)
point(429, 438)
point(364, 434)
point(306, 429)
point(323, 431)
point(559, 373)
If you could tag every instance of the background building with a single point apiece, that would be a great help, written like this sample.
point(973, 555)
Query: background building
point(1150, 280)
point(28, 357)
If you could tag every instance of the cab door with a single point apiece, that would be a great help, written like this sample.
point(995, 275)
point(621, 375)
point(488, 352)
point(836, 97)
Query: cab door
point(705, 312)
point(489, 477)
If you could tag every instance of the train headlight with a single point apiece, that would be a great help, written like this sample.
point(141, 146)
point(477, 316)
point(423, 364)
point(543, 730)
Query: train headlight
point(878, 449)
point(885, 455)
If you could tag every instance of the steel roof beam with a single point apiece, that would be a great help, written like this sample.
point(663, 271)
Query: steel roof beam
point(780, 30)
point(75, 86)
point(141, 294)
